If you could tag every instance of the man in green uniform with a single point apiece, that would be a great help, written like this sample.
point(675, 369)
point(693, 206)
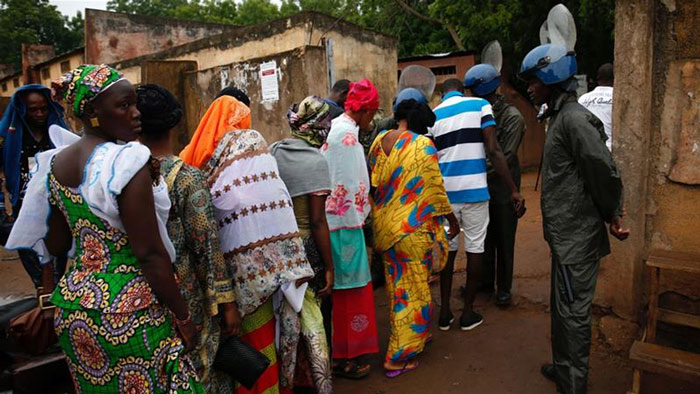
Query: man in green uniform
point(483, 80)
point(581, 191)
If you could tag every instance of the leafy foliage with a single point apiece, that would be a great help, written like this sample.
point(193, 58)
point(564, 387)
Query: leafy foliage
point(35, 22)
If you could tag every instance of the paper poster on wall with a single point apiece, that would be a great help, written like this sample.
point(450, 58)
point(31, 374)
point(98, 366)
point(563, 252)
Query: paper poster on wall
point(268, 81)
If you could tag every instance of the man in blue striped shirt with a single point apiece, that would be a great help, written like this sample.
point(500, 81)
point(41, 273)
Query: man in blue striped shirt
point(464, 132)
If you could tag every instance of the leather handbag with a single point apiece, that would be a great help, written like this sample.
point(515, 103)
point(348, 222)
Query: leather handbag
point(242, 362)
point(34, 330)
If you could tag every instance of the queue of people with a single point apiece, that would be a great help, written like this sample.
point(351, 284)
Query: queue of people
point(172, 252)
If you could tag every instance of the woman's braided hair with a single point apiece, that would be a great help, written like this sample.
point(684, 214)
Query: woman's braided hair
point(160, 110)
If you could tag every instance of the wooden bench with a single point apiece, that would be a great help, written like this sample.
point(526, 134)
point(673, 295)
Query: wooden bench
point(645, 355)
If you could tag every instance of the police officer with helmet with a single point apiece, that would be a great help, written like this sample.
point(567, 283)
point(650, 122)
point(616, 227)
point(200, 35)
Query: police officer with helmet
point(483, 80)
point(581, 192)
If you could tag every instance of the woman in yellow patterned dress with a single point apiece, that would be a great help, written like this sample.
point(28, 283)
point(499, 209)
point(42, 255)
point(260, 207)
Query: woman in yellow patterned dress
point(409, 202)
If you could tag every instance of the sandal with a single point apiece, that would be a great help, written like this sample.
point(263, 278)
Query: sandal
point(395, 373)
point(350, 369)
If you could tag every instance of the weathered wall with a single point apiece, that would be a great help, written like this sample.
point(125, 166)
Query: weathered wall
point(461, 63)
point(33, 54)
point(357, 52)
point(111, 36)
point(355, 56)
point(530, 151)
point(674, 177)
point(6, 70)
point(172, 76)
point(301, 72)
point(619, 282)
point(655, 144)
point(9, 84)
point(74, 59)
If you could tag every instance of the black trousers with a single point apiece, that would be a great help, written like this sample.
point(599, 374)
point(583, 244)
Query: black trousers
point(573, 287)
point(499, 248)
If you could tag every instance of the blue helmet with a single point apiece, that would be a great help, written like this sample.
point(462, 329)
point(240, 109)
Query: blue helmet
point(550, 63)
point(407, 94)
point(483, 79)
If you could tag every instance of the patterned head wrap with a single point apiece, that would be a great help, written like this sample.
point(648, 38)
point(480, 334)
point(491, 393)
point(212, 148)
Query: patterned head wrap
point(82, 84)
point(310, 120)
point(362, 96)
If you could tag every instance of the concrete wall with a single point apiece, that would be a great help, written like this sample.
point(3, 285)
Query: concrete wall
point(33, 54)
point(655, 138)
point(357, 52)
point(111, 36)
point(53, 67)
point(9, 84)
point(461, 63)
point(356, 56)
point(301, 72)
point(6, 70)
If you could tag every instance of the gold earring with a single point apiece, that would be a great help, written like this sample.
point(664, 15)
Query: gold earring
point(94, 122)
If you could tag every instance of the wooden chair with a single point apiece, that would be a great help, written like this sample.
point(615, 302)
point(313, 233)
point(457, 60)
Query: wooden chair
point(646, 355)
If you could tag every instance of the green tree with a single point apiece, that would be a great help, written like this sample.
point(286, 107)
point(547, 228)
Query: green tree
point(35, 22)
point(251, 12)
point(218, 11)
point(516, 24)
point(247, 12)
point(148, 7)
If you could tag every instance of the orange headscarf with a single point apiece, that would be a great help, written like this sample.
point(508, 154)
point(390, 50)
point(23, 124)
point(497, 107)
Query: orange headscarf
point(224, 114)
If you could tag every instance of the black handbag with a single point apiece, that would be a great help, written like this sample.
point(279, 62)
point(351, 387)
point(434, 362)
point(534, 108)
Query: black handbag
point(241, 361)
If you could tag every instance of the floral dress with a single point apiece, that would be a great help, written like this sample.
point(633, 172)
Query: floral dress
point(202, 274)
point(117, 337)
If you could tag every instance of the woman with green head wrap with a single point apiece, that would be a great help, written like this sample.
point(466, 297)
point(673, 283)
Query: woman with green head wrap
point(106, 205)
point(305, 173)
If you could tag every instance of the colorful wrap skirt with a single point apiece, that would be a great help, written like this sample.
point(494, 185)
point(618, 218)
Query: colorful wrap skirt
point(407, 266)
point(354, 323)
point(258, 330)
point(136, 352)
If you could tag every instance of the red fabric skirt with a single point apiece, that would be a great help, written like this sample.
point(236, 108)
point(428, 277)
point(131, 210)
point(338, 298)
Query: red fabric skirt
point(258, 330)
point(354, 323)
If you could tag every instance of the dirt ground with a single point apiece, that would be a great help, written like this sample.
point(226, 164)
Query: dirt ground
point(501, 356)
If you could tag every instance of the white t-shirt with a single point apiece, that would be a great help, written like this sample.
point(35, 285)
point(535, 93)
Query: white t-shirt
point(599, 102)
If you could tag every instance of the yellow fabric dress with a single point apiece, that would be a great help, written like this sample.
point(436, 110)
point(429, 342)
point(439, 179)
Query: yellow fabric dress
point(408, 200)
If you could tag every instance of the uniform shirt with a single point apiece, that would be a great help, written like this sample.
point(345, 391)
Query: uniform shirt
point(599, 101)
point(581, 186)
point(459, 139)
point(510, 129)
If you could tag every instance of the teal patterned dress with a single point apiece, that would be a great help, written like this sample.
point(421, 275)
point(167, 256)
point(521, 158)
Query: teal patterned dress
point(117, 337)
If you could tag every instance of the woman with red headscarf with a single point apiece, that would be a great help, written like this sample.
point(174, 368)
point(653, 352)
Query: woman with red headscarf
point(347, 207)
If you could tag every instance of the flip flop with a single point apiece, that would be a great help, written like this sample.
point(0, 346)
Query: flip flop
point(391, 374)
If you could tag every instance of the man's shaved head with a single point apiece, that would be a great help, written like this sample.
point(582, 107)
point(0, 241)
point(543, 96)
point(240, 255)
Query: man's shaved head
point(605, 75)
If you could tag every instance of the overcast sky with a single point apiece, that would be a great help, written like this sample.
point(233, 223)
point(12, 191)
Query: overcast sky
point(70, 7)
